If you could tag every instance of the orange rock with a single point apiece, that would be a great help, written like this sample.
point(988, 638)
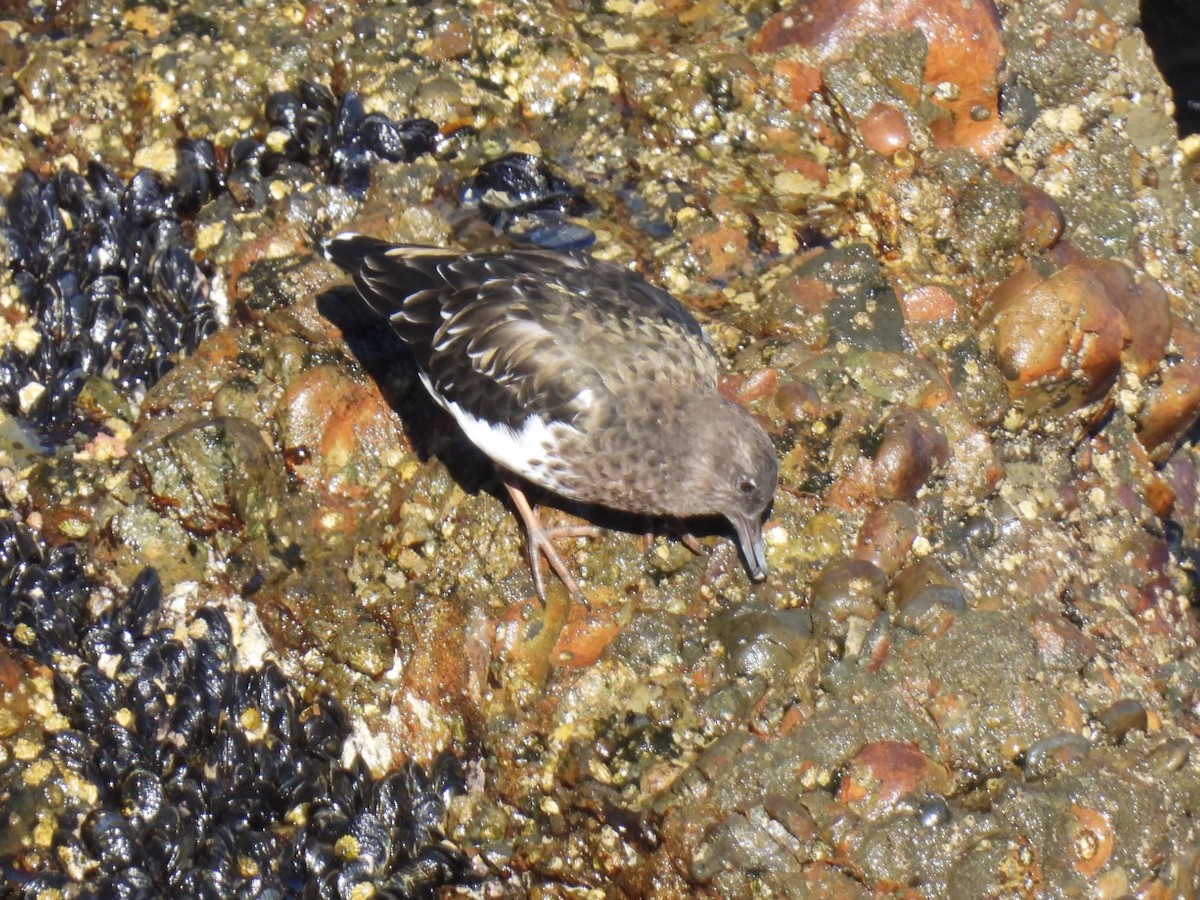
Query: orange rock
point(798, 81)
point(928, 303)
point(1058, 339)
point(1174, 404)
point(720, 253)
point(883, 772)
point(344, 430)
point(586, 634)
point(965, 51)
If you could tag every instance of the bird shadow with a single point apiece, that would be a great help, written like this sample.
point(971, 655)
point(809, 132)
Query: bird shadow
point(387, 361)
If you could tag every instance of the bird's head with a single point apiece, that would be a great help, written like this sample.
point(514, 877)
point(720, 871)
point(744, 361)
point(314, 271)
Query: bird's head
point(733, 473)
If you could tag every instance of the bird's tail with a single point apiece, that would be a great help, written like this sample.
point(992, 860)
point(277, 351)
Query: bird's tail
point(348, 250)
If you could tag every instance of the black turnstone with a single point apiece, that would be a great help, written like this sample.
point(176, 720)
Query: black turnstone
point(576, 375)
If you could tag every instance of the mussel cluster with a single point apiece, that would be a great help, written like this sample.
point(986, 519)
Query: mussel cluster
point(104, 269)
point(319, 130)
point(209, 781)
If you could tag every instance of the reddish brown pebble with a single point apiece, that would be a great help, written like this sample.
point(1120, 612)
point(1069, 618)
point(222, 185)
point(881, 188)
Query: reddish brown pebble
point(886, 536)
point(1174, 404)
point(913, 448)
point(845, 590)
point(917, 576)
point(1042, 218)
point(1146, 308)
point(883, 773)
point(884, 129)
point(797, 400)
point(928, 303)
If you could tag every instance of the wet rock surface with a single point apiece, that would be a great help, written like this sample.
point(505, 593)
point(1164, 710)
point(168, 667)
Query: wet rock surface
point(947, 255)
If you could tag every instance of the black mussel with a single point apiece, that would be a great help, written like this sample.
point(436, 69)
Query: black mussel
point(139, 613)
point(107, 190)
point(18, 544)
point(149, 703)
point(105, 253)
point(315, 96)
point(119, 751)
point(78, 751)
point(551, 231)
point(147, 198)
point(323, 727)
point(349, 119)
point(352, 170)
point(142, 798)
point(211, 677)
point(175, 279)
point(198, 152)
point(382, 138)
point(16, 247)
point(245, 159)
point(447, 780)
point(391, 798)
point(219, 634)
point(370, 838)
point(201, 323)
point(352, 879)
point(263, 887)
point(198, 178)
point(101, 694)
point(98, 642)
point(194, 187)
point(111, 839)
point(189, 721)
point(433, 866)
point(282, 107)
point(62, 562)
point(520, 182)
point(418, 136)
point(45, 884)
point(73, 193)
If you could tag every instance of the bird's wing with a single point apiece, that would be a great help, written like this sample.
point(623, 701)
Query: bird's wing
point(510, 334)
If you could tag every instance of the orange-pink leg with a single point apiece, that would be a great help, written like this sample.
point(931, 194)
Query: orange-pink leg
point(539, 538)
point(685, 537)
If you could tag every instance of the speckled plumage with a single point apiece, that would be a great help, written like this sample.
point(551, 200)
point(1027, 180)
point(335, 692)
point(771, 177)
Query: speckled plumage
point(575, 374)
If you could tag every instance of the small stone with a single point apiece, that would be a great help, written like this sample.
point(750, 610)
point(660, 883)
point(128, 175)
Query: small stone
point(883, 773)
point(1121, 718)
point(886, 536)
point(884, 129)
point(846, 590)
point(912, 449)
point(1174, 404)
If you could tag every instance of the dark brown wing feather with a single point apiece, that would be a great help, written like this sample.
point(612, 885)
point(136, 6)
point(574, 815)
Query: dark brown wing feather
point(508, 335)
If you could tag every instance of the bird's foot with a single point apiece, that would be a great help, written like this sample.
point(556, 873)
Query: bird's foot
point(539, 542)
point(686, 538)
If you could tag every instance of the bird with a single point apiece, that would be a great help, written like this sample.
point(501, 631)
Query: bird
point(575, 375)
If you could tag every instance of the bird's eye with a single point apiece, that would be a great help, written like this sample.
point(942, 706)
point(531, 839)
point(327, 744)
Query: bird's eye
point(746, 485)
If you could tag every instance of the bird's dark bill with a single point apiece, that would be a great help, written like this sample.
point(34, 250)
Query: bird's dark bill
point(750, 538)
